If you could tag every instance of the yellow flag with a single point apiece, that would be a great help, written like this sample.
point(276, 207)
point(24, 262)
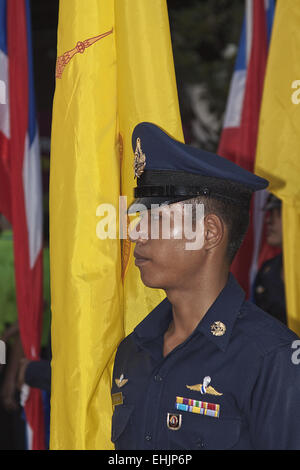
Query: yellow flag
point(278, 157)
point(114, 69)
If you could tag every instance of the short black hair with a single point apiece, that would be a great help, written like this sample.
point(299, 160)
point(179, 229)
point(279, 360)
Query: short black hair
point(235, 216)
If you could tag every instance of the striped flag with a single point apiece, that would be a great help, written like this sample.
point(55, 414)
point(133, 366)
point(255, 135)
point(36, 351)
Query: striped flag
point(21, 188)
point(4, 117)
point(239, 135)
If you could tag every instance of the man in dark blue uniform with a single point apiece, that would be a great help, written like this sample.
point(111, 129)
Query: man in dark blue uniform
point(268, 289)
point(205, 369)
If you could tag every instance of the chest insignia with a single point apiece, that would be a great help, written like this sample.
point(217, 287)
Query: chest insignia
point(198, 407)
point(174, 421)
point(117, 398)
point(121, 381)
point(204, 388)
point(218, 328)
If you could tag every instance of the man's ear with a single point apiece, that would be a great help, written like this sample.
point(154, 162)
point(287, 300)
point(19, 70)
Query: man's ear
point(214, 231)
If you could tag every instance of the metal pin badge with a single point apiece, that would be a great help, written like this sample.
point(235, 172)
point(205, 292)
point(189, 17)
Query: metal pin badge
point(174, 421)
point(218, 328)
point(121, 381)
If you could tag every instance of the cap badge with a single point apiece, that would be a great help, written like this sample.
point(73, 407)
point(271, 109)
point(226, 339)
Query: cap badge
point(204, 388)
point(174, 421)
point(218, 328)
point(139, 159)
point(121, 381)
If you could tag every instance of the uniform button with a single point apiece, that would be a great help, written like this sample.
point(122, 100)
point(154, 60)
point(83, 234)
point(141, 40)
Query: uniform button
point(157, 378)
point(148, 437)
point(201, 444)
point(260, 290)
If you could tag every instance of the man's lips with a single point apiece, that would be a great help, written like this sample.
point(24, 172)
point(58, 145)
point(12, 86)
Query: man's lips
point(140, 259)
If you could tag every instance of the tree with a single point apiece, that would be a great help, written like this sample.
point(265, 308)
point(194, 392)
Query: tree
point(205, 36)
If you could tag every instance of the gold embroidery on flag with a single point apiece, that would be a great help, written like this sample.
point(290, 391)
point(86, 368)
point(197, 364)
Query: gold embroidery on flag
point(126, 250)
point(121, 147)
point(80, 47)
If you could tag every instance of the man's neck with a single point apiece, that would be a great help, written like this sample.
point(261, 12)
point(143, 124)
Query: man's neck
point(190, 304)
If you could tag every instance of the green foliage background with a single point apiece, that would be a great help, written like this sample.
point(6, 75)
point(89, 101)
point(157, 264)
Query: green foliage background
point(201, 31)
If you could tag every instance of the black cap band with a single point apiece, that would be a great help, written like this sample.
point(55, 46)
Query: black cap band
point(182, 185)
point(170, 190)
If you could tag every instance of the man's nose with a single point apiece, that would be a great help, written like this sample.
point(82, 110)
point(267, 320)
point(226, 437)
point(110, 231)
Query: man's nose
point(268, 218)
point(139, 234)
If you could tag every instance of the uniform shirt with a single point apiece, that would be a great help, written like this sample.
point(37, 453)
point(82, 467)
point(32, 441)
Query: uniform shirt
point(269, 289)
point(250, 367)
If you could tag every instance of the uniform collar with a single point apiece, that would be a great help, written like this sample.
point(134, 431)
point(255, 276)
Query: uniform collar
point(225, 309)
point(156, 323)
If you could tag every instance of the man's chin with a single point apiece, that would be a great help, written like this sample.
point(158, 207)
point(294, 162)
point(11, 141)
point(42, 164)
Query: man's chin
point(273, 241)
point(150, 281)
point(151, 284)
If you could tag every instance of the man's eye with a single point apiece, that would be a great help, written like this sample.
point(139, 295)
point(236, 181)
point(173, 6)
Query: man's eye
point(142, 217)
point(135, 220)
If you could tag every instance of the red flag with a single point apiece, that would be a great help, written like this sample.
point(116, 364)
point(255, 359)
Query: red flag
point(21, 191)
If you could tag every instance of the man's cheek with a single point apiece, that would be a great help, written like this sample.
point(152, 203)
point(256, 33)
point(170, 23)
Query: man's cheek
point(176, 232)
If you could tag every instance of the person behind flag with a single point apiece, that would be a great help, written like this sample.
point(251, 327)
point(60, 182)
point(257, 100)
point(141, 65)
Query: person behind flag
point(268, 289)
point(205, 369)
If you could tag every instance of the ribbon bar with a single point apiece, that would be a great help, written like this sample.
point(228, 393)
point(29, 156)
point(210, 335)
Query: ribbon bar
point(198, 407)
